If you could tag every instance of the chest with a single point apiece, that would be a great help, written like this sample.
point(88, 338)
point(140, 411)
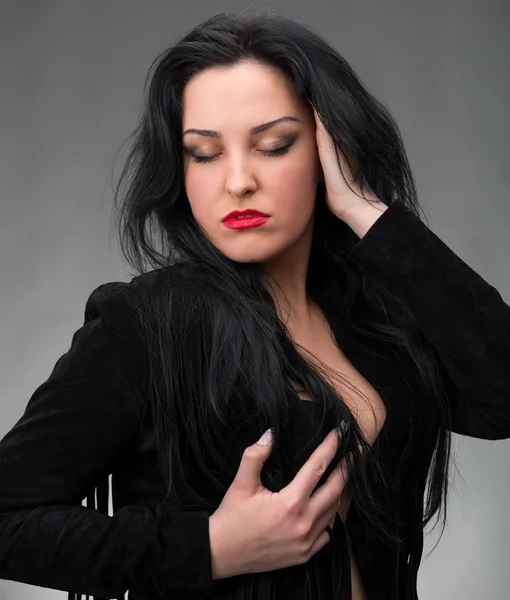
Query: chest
point(319, 346)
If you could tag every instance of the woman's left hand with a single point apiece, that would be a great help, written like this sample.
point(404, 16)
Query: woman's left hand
point(343, 195)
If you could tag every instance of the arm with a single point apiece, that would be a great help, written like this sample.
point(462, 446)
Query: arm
point(463, 316)
point(76, 425)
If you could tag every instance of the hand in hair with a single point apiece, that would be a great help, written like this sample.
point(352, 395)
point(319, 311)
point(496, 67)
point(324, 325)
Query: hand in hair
point(358, 206)
point(255, 530)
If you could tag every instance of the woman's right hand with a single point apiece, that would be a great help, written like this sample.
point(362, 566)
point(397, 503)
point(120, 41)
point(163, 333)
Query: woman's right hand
point(255, 530)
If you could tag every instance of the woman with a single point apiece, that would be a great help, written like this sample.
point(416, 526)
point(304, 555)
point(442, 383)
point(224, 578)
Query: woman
point(295, 290)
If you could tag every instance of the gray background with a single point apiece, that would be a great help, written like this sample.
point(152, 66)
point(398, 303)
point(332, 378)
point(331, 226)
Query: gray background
point(72, 74)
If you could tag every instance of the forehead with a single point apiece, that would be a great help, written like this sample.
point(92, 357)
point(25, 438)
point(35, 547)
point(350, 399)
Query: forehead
point(244, 93)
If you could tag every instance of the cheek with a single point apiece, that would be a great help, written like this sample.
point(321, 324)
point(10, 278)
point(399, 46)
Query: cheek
point(201, 195)
point(294, 190)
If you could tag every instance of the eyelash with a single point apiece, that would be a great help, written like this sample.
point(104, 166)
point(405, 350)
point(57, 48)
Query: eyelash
point(276, 152)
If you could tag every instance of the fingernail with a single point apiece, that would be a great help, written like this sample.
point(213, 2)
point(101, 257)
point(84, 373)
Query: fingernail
point(266, 438)
point(334, 433)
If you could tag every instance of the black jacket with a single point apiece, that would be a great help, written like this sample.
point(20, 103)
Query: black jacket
point(87, 420)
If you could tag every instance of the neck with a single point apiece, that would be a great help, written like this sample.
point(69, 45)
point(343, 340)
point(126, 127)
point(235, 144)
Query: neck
point(286, 282)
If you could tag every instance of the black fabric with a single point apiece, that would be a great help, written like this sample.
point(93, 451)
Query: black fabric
point(88, 420)
point(80, 425)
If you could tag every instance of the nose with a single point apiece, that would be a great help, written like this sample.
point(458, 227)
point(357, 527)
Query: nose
point(240, 180)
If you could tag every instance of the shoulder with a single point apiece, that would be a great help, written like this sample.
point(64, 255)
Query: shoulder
point(120, 303)
point(172, 279)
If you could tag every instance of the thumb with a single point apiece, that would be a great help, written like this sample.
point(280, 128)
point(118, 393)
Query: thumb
point(254, 457)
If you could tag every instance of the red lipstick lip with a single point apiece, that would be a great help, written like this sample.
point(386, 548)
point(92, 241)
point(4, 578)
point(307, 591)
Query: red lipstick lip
point(241, 213)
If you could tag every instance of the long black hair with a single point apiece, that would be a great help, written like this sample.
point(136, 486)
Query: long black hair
point(221, 359)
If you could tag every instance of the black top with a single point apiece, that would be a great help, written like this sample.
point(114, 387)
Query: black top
point(86, 421)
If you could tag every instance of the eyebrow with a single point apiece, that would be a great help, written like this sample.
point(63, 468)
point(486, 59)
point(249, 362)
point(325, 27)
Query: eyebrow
point(253, 130)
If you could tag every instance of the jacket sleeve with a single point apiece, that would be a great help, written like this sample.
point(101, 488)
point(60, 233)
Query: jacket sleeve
point(463, 316)
point(75, 427)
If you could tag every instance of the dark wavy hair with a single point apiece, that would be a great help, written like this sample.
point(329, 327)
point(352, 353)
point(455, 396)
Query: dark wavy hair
point(215, 324)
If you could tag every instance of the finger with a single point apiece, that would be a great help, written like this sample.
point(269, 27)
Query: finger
point(322, 539)
point(317, 118)
point(248, 474)
point(309, 475)
point(327, 496)
point(326, 523)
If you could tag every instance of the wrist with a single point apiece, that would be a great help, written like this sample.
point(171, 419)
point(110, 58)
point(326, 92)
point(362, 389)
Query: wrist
point(221, 564)
point(361, 216)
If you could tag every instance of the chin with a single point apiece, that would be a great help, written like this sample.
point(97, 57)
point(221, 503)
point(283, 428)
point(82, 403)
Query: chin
point(250, 253)
point(247, 257)
point(261, 250)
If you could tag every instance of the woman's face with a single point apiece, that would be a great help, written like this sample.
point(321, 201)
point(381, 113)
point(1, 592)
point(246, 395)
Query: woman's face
point(239, 161)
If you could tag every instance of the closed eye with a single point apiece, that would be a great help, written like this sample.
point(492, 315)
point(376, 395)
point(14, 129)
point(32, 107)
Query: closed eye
point(276, 152)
